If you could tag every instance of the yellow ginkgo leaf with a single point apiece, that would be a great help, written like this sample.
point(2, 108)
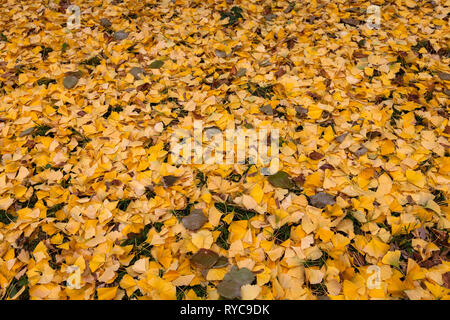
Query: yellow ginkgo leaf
point(416, 178)
point(392, 258)
point(376, 248)
point(257, 193)
point(250, 292)
point(106, 293)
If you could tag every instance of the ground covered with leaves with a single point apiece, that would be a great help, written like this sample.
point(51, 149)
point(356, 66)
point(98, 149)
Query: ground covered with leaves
point(87, 185)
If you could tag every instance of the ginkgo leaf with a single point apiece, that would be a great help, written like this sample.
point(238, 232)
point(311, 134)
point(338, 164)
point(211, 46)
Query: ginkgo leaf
point(392, 258)
point(416, 178)
point(122, 162)
point(376, 248)
point(250, 292)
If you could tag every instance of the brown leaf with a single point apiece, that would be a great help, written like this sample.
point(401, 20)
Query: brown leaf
point(446, 278)
point(63, 5)
point(444, 76)
point(351, 22)
point(315, 96)
point(300, 180)
point(233, 71)
point(241, 276)
point(281, 180)
point(229, 289)
point(413, 97)
point(373, 134)
point(266, 109)
point(70, 81)
point(221, 263)
point(169, 180)
point(30, 144)
point(361, 151)
point(321, 200)
point(195, 220)
point(301, 112)
point(116, 182)
point(434, 260)
point(204, 258)
point(315, 155)
point(105, 22)
point(140, 57)
point(359, 55)
point(143, 87)
point(358, 258)
point(290, 42)
point(341, 137)
point(326, 166)
point(139, 103)
point(280, 72)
